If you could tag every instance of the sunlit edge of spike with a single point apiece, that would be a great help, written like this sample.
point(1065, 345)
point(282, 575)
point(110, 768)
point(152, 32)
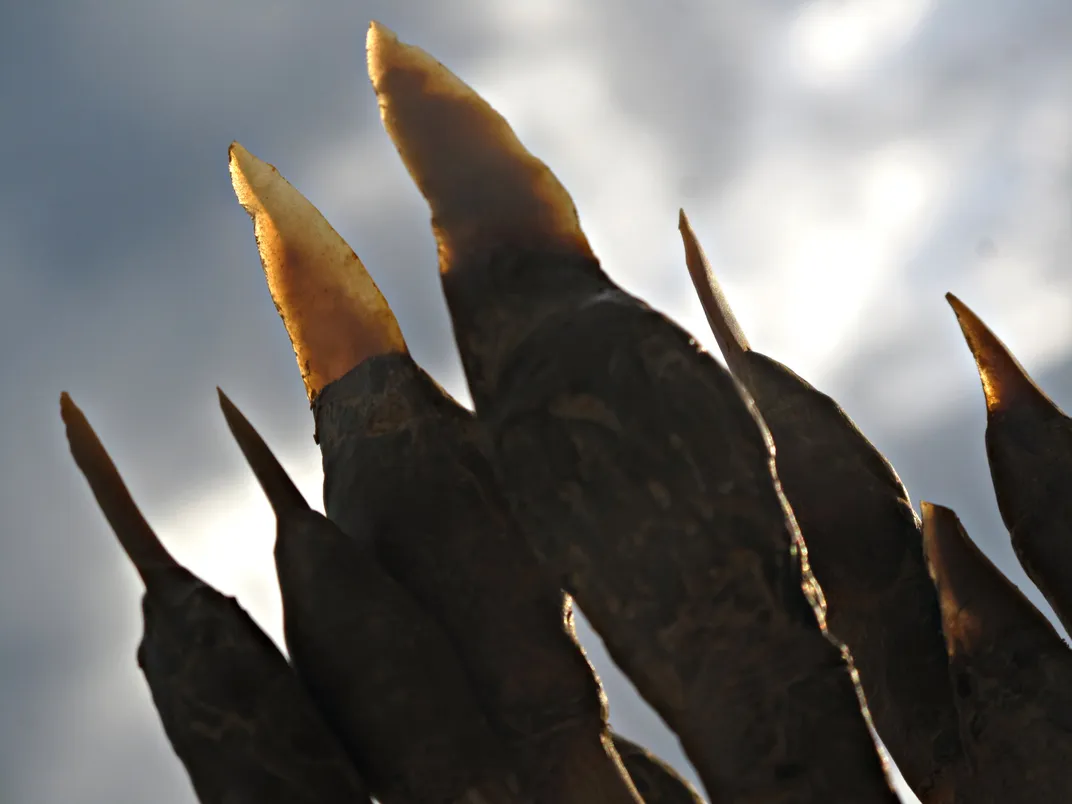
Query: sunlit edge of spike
point(1005, 382)
point(727, 330)
point(333, 311)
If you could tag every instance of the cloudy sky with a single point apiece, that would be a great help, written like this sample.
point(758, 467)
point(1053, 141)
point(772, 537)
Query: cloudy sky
point(845, 162)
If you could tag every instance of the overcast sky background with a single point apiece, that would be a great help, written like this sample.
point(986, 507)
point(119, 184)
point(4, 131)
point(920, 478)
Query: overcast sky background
point(845, 162)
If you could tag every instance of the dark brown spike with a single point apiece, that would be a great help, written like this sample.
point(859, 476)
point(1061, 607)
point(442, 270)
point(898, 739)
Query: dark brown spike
point(266, 743)
point(384, 674)
point(400, 452)
point(135, 535)
point(1011, 671)
point(283, 495)
point(639, 474)
point(864, 546)
point(1029, 446)
point(728, 333)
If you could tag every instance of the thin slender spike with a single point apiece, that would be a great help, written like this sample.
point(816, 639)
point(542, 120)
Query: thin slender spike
point(136, 537)
point(504, 196)
point(1029, 446)
point(728, 333)
point(266, 743)
point(864, 546)
point(283, 495)
point(334, 313)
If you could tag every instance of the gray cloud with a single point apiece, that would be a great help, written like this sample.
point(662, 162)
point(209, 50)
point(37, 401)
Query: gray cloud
point(128, 273)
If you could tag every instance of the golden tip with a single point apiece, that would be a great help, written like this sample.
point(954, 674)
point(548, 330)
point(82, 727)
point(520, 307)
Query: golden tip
point(1005, 382)
point(485, 190)
point(335, 315)
point(978, 603)
point(728, 333)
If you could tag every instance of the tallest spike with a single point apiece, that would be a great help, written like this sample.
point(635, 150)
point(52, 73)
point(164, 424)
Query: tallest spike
point(484, 188)
point(334, 313)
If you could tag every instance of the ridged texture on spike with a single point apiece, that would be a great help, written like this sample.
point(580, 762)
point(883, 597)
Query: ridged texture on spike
point(384, 674)
point(399, 452)
point(334, 313)
point(230, 704)
point(1011, 672)
point(864, 545)
point(485, 190)
point(1029, 446)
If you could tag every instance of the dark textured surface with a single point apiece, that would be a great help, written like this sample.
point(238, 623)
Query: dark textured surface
point(384, 674)
point(1011, 671)
point(644, 480)
point(406, 463)
point(865, 547)
point(233, 709)
point(656, 781)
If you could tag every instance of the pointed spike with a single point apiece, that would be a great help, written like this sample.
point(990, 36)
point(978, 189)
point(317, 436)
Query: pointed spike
point(484, 188)
point(979, 604)
point(283, 495)
point(335, 315)
point(728, 333)
point(136, 537)
point(1005, 383)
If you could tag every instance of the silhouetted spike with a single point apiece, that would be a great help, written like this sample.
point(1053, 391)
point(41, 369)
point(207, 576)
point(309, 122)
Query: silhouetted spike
point(1029, 446)
point(728, 333)
point(629, 455)
point(484, 188)
point(283, 495)
point(1011, 671)
point(655, 780)
point(979, 604)
point(400, 452)
point(266, 743)
point(864, 546)
point(1005, 383)
point(135, 535)
point(334, 313)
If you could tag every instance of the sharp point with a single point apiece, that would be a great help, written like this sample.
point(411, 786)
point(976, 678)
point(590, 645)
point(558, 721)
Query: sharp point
point(283, 495)
point(484, 188)
point(334, 313)
point(728, 333)
point(136, 537)
point(1006, 384)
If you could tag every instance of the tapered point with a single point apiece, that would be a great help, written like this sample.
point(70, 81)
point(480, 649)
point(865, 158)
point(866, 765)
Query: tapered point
point(978, 602)
point(135, 536)
point(485, 190)
point(728, 333)
point(283, 495)
point(1005, 383)
point(334, 313)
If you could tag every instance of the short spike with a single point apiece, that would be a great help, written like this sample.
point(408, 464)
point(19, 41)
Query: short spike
point(334, 313)
point(1005, 383)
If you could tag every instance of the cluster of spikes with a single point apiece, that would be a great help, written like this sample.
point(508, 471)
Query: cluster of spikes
point(771, 612)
